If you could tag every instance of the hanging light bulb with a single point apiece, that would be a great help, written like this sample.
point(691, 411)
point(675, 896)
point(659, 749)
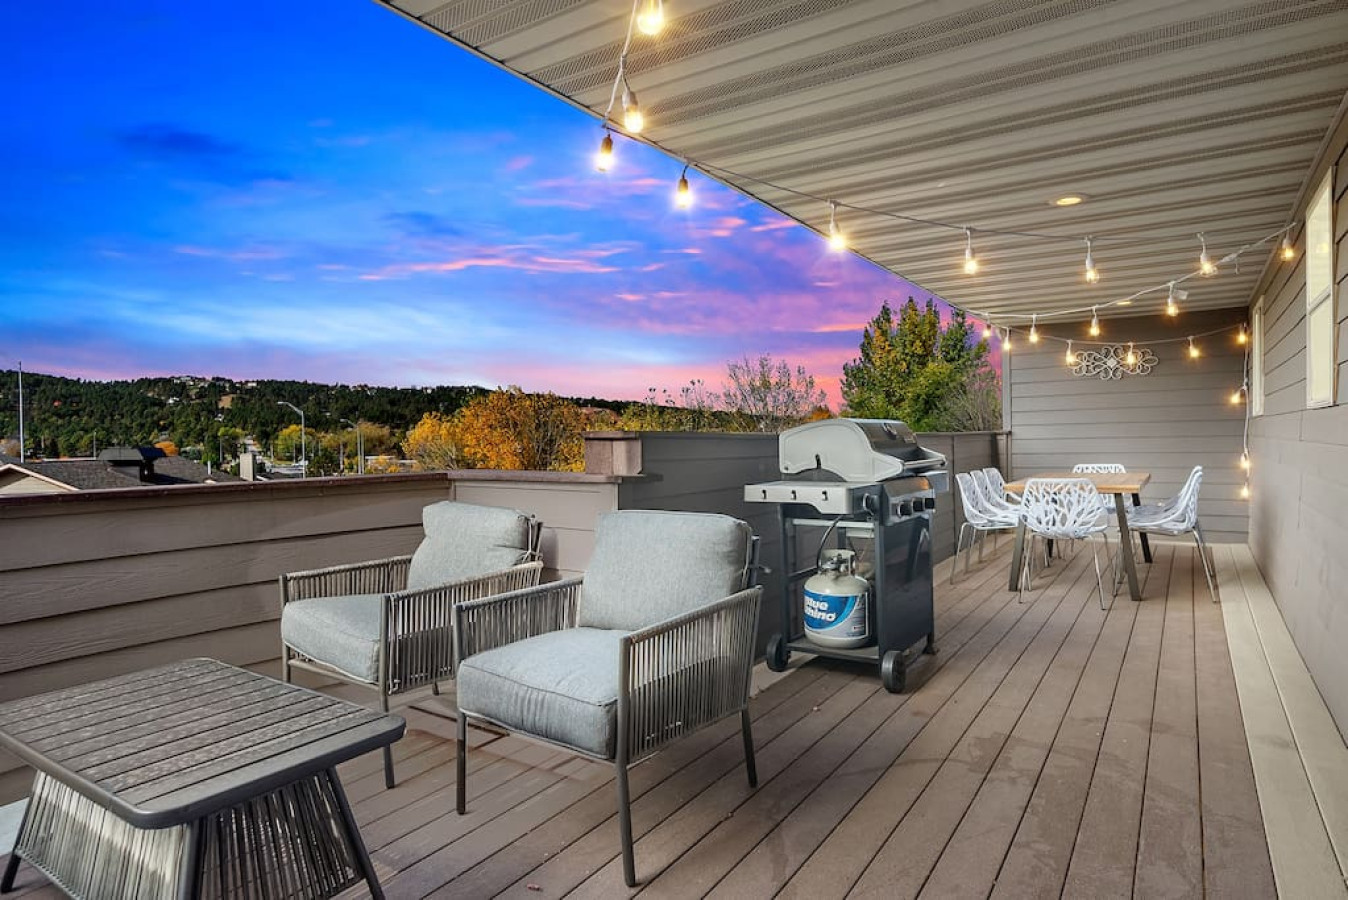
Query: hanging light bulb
point(1206, 267)
point(683, 197)
point(1006, 340)
point(1193, 348)
point(1245, 460)
point(836, 239)
point(633, 120)
point(1131, 358)
point(1242, 337)
point(1034, 328)
point(1092, 273)
point(987, 331)
point(1288, 252)
point(1245, 491)
point(651, 18)
point(970, 261)
point(1095, 323)
point(1170, 308)
point(1071, 358)
point(603, 160)
point(1236, 396)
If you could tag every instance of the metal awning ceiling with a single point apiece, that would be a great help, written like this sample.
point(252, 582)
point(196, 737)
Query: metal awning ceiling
point(1171, 118)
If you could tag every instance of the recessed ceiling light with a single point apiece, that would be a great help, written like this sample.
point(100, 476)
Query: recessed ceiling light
point(1069, 200)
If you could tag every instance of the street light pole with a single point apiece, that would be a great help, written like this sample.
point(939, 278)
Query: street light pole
point(304, 446)
point(360, 447)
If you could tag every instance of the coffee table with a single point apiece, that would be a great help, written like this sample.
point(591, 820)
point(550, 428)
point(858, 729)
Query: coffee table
point(192, 779)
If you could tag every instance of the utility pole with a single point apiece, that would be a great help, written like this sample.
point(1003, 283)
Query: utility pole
point(21, 444)
point(304, 447)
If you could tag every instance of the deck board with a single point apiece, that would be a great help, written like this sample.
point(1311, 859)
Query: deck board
point(1050, 749)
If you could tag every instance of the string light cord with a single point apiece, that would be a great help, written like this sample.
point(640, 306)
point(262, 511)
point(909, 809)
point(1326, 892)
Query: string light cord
point(621, 78)
point(1179, 340)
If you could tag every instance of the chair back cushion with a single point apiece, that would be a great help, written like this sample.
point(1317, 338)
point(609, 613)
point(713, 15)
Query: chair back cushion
point(463, 540)
point(650, 565)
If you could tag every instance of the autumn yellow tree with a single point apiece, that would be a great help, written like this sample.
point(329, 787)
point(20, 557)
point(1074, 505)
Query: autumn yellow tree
point(433, 444)
point(510, 429)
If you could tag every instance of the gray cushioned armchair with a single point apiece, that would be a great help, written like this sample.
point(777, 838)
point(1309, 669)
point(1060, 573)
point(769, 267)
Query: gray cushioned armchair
point(655, 641)
point(386, 623)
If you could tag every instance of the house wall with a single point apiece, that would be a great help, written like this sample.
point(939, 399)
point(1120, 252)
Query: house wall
point(1299, 474)
point(1163, 423)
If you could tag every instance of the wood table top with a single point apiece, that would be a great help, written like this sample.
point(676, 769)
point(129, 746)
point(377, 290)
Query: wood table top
point(171, 744)
point(1110, 483)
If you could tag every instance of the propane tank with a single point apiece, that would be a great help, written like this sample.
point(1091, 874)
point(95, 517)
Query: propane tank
point(837, 607)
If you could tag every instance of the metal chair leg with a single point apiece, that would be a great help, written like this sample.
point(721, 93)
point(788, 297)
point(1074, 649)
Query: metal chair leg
point(959, 540)
point(1203, 555)
point(461, 765)
point(748, 731)
point(1099, 577)
point(388, 748)
point(625, 826)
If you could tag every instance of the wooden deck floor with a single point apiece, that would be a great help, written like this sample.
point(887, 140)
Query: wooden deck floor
point(1050, 749)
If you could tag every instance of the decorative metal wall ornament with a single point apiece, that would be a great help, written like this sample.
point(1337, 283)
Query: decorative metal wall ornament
point(1110, 362)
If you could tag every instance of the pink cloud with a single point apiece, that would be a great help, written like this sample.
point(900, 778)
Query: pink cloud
point(776, 225)
point(518, 163)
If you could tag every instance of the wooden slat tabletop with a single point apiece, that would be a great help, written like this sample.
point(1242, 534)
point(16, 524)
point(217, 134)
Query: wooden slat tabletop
point(167, 745)
point(1111, 483)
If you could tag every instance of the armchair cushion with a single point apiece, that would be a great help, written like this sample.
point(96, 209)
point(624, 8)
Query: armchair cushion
point(463, 539)
point(562, 686)
point(652, 565)
point(342, 632)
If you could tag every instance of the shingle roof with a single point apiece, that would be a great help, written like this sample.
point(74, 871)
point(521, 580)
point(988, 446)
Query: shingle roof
point(92, 474)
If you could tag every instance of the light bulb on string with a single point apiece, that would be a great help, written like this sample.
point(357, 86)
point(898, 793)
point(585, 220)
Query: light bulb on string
point(1006, 340)
point(1242, 337)
point(651, 18)
point(1095, 323)
point(970, 260)
point(1288, 252)
point(1034, 328)
point(1236, 396)
point(1193, 348)
point(1170, 308)
point(683, 196)
point(836, 239)
point(1092, 273)
point(603, 160)
point(633, 120)
point(987, 331)
point(1131, 358)
point(1245, 491)
point(1206, 267)
point(1245, 460)
point(1070, 358)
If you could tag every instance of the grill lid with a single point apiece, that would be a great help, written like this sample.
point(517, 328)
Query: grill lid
point(855, 450)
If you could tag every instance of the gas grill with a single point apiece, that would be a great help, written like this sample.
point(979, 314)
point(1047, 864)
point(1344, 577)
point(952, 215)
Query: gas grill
point(864, 486)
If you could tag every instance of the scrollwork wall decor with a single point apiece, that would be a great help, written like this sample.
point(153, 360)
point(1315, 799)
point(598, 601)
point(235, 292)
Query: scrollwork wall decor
point(1111, 362)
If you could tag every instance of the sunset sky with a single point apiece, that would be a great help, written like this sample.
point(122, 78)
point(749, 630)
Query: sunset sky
point(262, 190)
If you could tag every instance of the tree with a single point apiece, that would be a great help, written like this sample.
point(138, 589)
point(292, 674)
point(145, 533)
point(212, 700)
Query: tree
point(509, 429)
point(934, 377)
point(769, 393)
point(433, 445)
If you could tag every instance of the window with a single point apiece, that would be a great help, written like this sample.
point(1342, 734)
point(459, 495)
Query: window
point(1257, 359)
point(1320, 320)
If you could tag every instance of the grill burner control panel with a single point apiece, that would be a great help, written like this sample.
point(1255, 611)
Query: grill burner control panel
point(841, 498)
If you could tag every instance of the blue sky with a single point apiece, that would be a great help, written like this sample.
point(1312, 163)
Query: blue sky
point(263, 190)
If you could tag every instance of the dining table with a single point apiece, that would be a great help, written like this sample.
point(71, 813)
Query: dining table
point(1125, 487)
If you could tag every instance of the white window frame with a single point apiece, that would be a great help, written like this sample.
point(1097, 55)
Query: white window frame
point(1257, 359)
point(1315, 302)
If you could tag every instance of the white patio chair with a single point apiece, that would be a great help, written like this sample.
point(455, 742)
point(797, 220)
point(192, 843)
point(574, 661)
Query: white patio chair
point(979, 518)
point(1176, 516)
point(997, 484)
point(1064, 509)
point(654, 642)
point(386, 623)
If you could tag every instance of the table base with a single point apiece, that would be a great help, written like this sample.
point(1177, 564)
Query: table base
point(298, 841)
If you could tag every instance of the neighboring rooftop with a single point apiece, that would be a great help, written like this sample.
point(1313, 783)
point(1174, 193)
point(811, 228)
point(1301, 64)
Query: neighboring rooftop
point(115, 467)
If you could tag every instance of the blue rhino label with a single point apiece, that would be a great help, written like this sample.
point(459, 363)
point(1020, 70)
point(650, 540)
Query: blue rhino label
point(836, 615)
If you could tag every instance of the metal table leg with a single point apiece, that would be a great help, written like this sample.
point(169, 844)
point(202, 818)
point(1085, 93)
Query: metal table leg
point(1017, 554)
point(358, 850)
point(1146, 544)
point(1126, 549)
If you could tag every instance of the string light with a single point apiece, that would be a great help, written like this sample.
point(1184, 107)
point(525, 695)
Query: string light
point(633, 120)
point(987, 331)
point(1095, 322)
point(1071, 357)
point(1170, 308)
point(1006, 340)
point(1245, 460)
point(603, 160)
point(651, 18)
point(1092, 273)
point(1242, 338)
point(836, 239)
point(1193, 348)
point(1131, 358)
point(1206, 267)
point(1237, 395)
point(1034, 329)
point(1245, 491)
point(1288, 252)
point(683, 196)
point(970, 261)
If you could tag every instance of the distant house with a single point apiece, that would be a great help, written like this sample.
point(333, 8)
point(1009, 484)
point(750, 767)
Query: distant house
point(115, 467)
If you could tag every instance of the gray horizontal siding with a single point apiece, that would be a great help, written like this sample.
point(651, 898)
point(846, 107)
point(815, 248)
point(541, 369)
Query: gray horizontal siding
point(1164, 423)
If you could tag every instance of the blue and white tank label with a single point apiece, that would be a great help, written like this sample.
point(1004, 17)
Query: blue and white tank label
point(836, 615)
